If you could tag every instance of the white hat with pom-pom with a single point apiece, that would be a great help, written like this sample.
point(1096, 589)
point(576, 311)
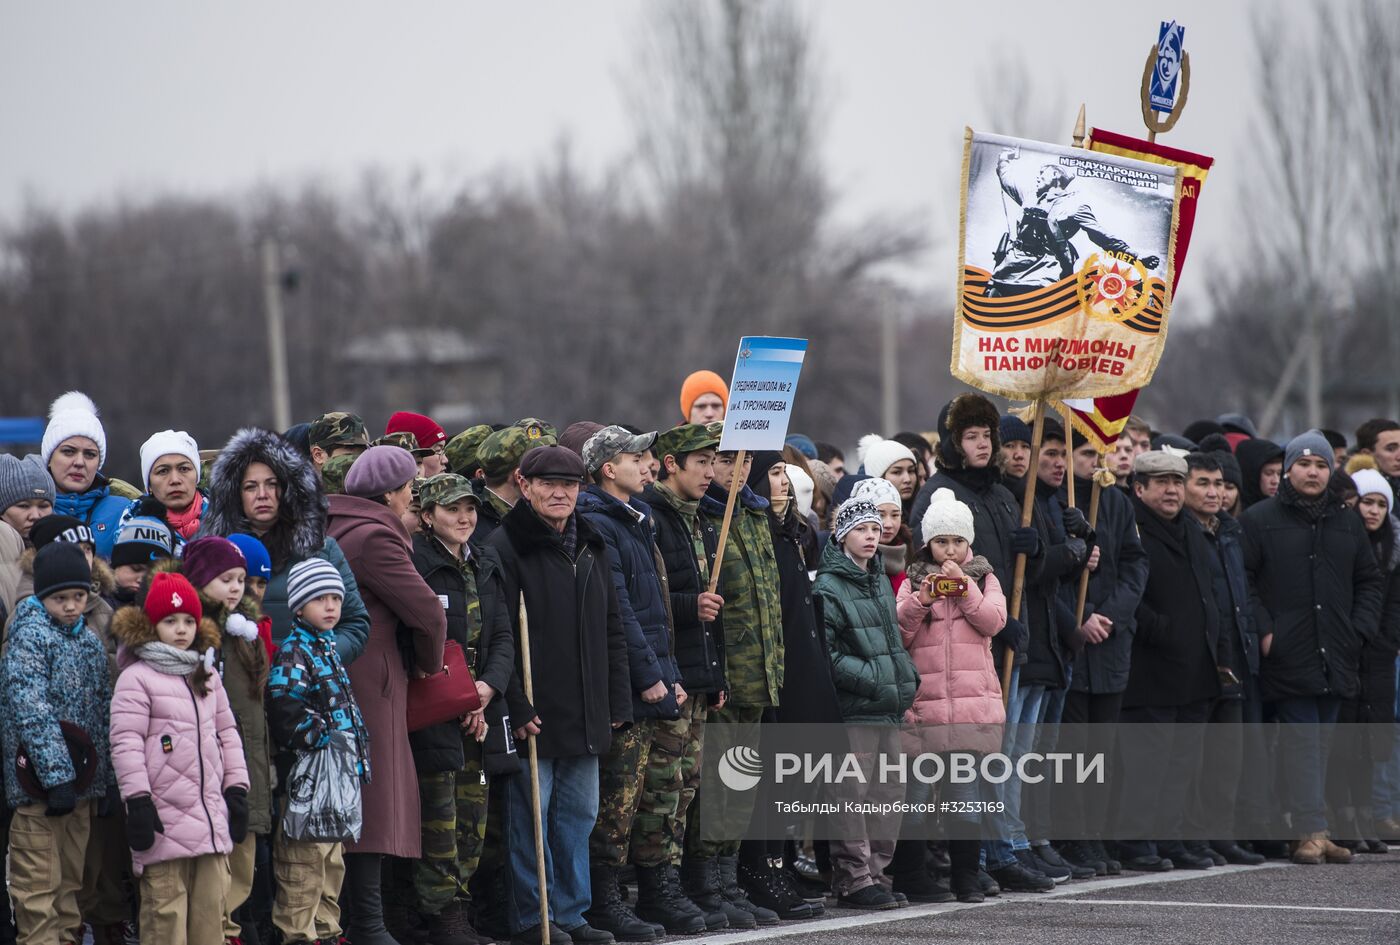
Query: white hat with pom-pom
point(73, 414)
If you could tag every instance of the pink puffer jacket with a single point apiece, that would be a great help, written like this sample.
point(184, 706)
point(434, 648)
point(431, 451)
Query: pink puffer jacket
point(184, 751)
point(951, 643)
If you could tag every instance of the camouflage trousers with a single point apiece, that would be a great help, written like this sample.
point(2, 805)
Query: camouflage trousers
point(621, 773)
point(672, 775)
point(454, 832)
point(734, 807)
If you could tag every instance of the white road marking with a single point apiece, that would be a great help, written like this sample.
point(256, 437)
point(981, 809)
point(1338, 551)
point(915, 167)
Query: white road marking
point(1218, 905)
point(1065, 891)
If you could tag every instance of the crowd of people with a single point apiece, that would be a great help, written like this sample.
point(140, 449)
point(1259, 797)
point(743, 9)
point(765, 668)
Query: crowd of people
point(190, 667)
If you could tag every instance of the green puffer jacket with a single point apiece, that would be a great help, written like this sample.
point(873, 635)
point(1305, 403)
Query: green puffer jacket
point(752, 616)
point(875, 677)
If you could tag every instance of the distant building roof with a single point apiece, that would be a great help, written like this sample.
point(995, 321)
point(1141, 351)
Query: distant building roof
point(399, 347)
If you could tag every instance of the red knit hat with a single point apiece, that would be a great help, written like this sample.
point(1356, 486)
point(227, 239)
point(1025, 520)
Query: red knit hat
point(424, 429)
point(172, 593)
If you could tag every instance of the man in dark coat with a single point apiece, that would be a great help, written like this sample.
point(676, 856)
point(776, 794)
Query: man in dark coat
point(558, 566)
point(1172, 679)
point(1237, 659)
point(1100, 673)
point(1317, 594)
point(615, 461)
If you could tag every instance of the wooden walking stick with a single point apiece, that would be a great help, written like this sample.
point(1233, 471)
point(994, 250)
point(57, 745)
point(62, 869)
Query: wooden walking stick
point(734, 486)
point(534, 775)
point(1018, 581)
point(1095, 496)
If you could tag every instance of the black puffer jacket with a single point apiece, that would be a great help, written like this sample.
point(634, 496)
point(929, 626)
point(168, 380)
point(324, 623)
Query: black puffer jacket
point(1115, 589)
point(438, 748)
point(578, 652)
point(699, 646)
point(1045, 608)
point(1317, 589)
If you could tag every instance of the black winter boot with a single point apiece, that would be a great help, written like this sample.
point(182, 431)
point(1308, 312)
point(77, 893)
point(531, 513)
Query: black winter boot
point(452, 926)
point(661, 903)
point(734, 895)
point(767, 891)
point(362, 878)
point(909, 871)
point(963, 856)
point(700, 880)
point(609, 913)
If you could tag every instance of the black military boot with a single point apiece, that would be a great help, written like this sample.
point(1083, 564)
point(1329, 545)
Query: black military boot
point(701, 881)
point(661, 903)
point(610, 914)
point(909, 871)
point(734, 895)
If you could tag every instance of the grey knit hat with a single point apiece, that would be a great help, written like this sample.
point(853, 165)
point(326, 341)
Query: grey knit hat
point(22, 479)
point(1311, 443)
point(312, 578)
point(855, 512)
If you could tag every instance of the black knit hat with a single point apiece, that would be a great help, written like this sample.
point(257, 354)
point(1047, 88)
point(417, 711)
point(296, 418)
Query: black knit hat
point(61, 528)
point(60, 566)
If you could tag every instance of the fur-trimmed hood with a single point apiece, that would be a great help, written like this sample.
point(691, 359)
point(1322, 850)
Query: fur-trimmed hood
point(301, 527)
point(132, 628)
point(963, 411)
point(104, 582)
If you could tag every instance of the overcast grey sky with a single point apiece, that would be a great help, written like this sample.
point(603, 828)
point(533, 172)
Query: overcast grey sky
point(100, 100)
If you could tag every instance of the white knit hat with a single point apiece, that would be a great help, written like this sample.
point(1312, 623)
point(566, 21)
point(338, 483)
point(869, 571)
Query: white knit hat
point(879, 491)
point(1371, 482)
point(878, 454)
point(802, 488)
point(73, 414)
point(167, 443)
point(946, 516)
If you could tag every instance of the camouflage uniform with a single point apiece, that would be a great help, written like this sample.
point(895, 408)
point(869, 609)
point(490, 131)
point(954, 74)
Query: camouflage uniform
point(753, 643)
point(672, 775)
point(461, 450)
point(454, 803)
point(500, 452)
point(333, 473)
point(454, 832)
point(621, 773)
point(404, 441)
point(337, 429)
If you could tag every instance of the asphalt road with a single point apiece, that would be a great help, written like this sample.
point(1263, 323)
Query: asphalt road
point(1277, 904)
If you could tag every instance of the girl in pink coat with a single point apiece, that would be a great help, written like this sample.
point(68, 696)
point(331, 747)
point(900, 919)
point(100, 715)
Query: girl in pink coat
point(949, 610)
point(179, 764)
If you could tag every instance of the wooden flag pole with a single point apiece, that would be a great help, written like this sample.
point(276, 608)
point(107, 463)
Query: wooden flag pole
point(734, 487)
point(1095, 496)
point(1018, 581)
point(534, 775)
point(1069, 460)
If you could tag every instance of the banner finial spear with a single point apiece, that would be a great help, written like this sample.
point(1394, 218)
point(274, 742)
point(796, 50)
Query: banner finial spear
point(1079, 128)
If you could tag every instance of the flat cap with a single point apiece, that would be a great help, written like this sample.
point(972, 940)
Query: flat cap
point(552, 462)
point(1159, 463)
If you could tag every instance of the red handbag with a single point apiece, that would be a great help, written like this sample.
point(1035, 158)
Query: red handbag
point(444, 696)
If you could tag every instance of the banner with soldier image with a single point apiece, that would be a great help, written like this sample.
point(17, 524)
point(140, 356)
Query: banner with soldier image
point(1066, 262)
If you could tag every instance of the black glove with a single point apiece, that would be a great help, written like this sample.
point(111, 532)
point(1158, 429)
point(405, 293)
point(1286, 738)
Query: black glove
point(1077, 526)
point(1025, 541)
point(110, 803)
point(1014, 636)
point(1078, 550)
point(62, 800)
point(142, 823)
point(236, 798)
point(1151, 262)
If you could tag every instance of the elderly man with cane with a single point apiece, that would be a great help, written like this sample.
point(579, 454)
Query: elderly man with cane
point(556, 571)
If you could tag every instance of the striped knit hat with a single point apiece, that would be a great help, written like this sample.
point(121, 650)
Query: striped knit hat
point(854, 512)
point(309, 580)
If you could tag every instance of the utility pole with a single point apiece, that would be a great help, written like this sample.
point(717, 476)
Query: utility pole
point(276, 334)
point(889, 370)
